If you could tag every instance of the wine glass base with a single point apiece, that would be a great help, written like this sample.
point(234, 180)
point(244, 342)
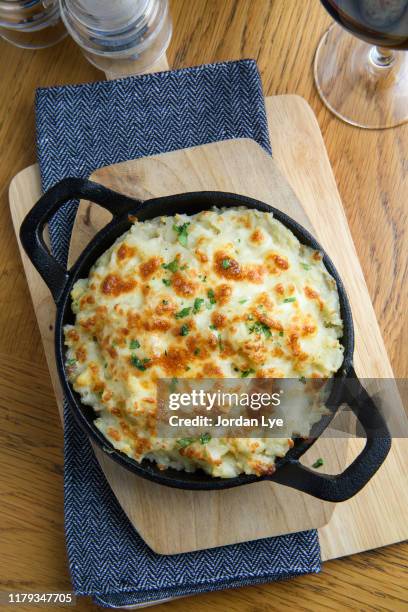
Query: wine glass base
point(355, 87)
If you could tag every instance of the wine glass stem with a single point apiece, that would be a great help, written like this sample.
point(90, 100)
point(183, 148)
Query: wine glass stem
point(382, 57)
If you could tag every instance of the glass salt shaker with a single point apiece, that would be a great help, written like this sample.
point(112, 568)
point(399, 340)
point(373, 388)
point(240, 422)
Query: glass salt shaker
point(120, 37)
point(31, 24)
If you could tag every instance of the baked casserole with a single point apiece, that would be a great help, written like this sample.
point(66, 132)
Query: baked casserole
point(226, 293)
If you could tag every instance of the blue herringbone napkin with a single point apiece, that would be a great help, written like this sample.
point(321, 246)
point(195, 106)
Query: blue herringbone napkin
point(81, 128)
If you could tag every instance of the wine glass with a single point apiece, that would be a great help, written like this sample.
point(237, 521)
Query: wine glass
point(364, 80)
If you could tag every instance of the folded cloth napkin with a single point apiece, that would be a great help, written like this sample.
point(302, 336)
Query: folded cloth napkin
point(81, 128)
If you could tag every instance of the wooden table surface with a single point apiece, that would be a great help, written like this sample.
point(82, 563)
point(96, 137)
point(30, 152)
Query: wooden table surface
point(371, 168)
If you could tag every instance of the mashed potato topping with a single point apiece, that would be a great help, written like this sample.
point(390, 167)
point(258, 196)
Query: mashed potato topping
point(220, 294)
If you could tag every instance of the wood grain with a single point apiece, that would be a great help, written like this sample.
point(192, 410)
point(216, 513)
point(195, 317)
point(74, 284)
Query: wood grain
point(370, 169)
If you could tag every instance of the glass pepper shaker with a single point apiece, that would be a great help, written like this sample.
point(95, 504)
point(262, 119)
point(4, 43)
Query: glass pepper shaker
point(120, 37)
point(31, 24)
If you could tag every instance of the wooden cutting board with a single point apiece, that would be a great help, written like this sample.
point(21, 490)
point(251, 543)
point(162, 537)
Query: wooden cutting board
point(176, 521)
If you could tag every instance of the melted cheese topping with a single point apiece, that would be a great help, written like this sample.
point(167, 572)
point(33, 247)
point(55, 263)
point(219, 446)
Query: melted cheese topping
point(224, 293)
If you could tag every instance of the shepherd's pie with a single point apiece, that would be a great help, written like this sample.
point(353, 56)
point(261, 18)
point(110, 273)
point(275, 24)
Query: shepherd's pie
point(221, 294)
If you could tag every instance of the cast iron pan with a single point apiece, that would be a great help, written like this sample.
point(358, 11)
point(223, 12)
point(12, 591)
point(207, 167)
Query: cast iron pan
point(289, 471)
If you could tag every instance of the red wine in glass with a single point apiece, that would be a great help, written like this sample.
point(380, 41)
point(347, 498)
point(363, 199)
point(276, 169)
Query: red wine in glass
point(379, 22)
point(361, 63)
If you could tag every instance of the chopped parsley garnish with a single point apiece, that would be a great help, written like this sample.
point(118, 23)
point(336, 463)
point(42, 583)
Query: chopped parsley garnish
point(261, 328)
point(184, 267)
point(183, 442)
point(71, 362)
point(305, 266)
point(212, 327)
point(184, 329)
point(211, 296)
point(196, 351)
point(220, 344)
point(318, 463)
point(134, 344)
point(287, 300)
point(173, 266)
point(165, 302)
point(182, 231)
point(205, 438)
point(281, 333)
point(302, 379)
point(166, 282)
point(187, 368)
point(198, 302)
point(184, 312)
point(246, 373)
point(140, 364)
point(243, 300)
point(226, 264)
point(173, 385)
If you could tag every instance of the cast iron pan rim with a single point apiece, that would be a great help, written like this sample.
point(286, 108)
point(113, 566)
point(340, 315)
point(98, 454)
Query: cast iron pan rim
point(148, 469)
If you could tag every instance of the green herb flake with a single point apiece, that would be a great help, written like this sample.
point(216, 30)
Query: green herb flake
point(211, 296)
point(182, 233)
point(302, 379)
point(305, 266)
point(165, 302)
point(318, 463)
point(187, 368)
point(261, 328)
point(243, 300)
point(184, 329)
point(184, 312)
point(184, 442)
point(226, 264)
point(173, 385)
point(205, 438)
point(281, 333)
point(166, 282)
point(220, 344)
point(212, 327)
point(198, 302)
point(287, 300)
point(197, 351)
point(246, 373)
point(140, 364)
point(134, 344)
point(173, 266)
point(71, 362)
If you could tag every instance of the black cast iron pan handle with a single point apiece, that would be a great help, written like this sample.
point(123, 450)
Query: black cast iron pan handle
point(32, 228)
point(340, 487)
